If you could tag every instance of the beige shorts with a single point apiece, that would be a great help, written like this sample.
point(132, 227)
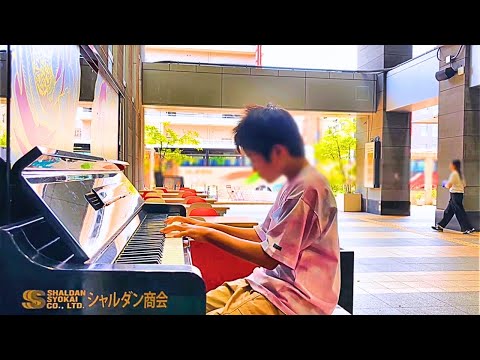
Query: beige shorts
point(238, 298)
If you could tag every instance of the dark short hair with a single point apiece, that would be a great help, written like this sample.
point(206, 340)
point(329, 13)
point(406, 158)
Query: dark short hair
point(262, 127)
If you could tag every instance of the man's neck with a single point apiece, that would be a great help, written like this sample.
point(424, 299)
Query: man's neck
point(294, 167)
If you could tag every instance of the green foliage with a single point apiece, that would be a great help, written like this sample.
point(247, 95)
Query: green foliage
point(252, 179)
point(167, 142)
point(335, 155)
point(3, 140)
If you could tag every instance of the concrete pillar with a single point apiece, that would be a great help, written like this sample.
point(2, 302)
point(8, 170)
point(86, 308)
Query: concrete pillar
point(459, 134)
point(393, 128)
point(375, 57)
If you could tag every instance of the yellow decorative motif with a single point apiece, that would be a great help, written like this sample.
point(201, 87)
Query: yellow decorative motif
point(43, 75)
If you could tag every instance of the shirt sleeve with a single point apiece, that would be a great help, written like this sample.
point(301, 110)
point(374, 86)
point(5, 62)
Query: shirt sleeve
point(292, 224)
point(262, 228)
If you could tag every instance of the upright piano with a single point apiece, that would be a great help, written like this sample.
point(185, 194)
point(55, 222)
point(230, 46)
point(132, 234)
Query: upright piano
point(83, 241)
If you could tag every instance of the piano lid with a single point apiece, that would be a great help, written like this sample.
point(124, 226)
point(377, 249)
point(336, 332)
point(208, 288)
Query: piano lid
point(89, 199)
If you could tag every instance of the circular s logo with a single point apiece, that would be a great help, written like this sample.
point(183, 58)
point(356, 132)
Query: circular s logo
point(33, 299)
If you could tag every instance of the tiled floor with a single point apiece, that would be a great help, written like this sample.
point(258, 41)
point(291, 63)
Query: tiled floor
point(402, 266)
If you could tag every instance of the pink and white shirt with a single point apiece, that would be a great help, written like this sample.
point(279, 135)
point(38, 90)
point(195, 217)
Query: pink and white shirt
point(301, 233)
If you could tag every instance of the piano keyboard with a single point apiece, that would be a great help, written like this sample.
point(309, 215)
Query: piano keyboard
point(149, 246)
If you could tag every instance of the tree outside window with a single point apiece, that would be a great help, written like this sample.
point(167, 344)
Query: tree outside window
point(335, 155)
point(167, 144)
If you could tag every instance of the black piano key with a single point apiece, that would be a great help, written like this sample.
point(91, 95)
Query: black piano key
point(151, 244)
point(143, 261)
point(133, 260)
point(138, 249)
point(147, 254)
point(142, 237)
point(149, 233)
point(140, 257)
point(140, 246)
point(146, 244)
point(140, 252)
point(147, 241)
point(144, 249)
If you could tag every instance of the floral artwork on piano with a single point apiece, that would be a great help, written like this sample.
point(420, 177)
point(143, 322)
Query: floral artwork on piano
point(45, 95)
point(45, 162)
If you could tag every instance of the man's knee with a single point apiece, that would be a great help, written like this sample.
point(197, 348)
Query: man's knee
point(254, 304)
point(217, 298)
point(215, 311)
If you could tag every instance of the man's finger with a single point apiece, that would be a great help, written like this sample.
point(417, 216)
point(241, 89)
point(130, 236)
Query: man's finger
point(174, 219)
point(179, 234)
point(175, 227)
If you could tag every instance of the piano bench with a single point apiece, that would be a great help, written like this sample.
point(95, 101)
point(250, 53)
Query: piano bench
point(346, 278)
point(218, 266)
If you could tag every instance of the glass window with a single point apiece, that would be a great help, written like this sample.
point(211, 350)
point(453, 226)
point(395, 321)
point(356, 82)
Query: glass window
point(421, 49)
point(125, 57)
point(424, 130)
point(417, 166)
point(104, 132)
point(110, 58)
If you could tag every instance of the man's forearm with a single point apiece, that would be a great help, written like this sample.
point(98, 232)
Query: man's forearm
point(242, 233)
point(247, 250)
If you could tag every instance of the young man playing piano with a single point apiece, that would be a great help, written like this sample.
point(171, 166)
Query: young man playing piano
point(296, 248)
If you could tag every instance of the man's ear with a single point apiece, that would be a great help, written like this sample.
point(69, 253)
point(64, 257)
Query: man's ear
point(279, 150)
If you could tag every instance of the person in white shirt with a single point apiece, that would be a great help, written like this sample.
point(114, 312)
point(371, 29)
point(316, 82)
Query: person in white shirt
point(456, 185)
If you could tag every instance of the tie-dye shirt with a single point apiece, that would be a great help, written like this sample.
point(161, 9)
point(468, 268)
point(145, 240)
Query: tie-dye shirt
point(301, 233)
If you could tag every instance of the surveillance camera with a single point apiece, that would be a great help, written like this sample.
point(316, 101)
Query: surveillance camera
point(445, 74)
